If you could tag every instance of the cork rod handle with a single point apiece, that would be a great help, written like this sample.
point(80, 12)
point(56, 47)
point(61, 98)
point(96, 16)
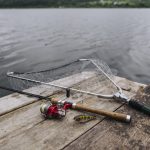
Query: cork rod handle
point(113, 115)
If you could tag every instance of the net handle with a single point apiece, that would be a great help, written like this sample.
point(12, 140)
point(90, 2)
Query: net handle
point(12, 74)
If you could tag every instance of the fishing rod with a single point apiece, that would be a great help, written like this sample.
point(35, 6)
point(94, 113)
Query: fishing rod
point(119, 95)
point(57, 108)
point(81, 107)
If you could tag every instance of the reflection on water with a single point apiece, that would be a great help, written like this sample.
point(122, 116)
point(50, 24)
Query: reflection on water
point(37, 39)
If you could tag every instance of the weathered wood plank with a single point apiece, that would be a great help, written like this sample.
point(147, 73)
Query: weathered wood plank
point(113, 135)
point(14, 101)
point(32, 132)
point(21, 119)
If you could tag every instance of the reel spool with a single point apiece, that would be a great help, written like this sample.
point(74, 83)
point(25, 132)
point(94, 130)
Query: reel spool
point(51, 111)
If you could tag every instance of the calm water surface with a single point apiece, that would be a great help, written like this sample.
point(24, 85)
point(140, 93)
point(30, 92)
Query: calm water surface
point(38, 39)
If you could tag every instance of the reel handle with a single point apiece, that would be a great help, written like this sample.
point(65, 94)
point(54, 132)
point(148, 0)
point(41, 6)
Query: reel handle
point(139, 106)
point(113, 115)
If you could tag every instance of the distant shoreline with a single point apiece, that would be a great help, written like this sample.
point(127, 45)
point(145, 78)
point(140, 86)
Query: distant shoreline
point(74, 4)
point(74, 7)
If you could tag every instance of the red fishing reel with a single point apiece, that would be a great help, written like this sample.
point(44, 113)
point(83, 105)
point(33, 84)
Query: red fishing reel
point(50, 110)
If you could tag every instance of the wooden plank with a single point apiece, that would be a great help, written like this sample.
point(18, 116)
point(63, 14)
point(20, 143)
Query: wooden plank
point(113, 135)
point(14, 101)
point(21, 119)
point(25, 129)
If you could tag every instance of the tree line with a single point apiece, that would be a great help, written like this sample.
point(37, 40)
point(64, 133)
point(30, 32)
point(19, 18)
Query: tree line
point(72, 3)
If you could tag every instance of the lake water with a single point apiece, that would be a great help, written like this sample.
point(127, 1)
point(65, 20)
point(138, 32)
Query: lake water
point(38, 39)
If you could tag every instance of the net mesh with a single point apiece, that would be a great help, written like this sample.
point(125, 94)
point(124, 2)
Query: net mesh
point(81, 75)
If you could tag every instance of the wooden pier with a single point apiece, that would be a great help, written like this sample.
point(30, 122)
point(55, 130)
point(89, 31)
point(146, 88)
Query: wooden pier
point(23, 128)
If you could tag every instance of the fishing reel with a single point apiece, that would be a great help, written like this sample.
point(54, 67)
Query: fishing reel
point(50, 111)
point(56, 111)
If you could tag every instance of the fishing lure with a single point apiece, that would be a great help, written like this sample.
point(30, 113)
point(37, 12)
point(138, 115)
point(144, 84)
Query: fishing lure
point(84, 118)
